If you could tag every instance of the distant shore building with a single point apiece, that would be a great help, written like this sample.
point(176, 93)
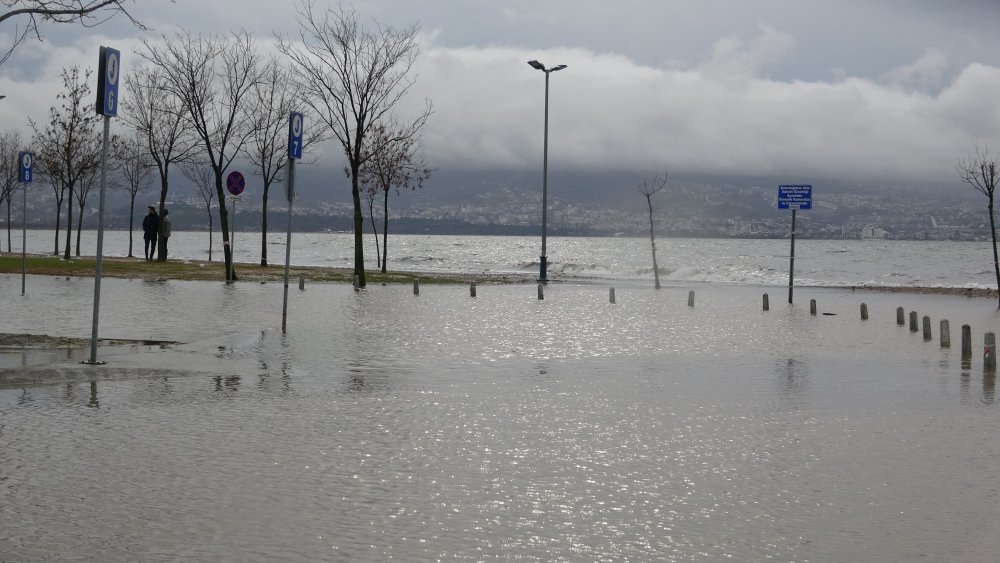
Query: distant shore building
point(870, 232)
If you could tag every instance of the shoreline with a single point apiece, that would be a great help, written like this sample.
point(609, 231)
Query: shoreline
point(196, 270)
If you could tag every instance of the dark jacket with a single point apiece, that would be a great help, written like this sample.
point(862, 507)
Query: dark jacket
point(150, 225)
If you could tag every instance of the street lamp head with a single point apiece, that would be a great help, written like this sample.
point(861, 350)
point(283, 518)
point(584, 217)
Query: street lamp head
point(557, 67)
point(536, 64)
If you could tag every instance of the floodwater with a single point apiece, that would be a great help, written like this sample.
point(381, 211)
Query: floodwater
point(386, 425)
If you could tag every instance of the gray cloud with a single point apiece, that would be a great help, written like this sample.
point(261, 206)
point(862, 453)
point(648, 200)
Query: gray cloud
point(875, 89)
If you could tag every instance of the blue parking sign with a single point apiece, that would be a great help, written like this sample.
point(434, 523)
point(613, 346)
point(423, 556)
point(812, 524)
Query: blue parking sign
point(108, 73)
point(24, 163)
point(295, 128)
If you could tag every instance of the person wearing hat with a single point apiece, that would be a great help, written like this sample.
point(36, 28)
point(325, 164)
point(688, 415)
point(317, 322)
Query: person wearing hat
point(150, 226)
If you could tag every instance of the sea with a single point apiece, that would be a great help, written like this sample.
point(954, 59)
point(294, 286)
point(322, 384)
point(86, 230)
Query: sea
point(687, 423)
point(823, 263)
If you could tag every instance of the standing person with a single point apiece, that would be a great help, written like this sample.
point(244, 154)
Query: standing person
point(150, 226)
point(165, 231)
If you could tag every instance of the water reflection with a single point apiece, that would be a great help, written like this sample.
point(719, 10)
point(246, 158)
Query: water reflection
point(989, 387)
point(226, 386)
point(793, 381)
point(94, 403)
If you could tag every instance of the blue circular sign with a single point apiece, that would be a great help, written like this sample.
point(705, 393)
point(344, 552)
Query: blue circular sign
point(235, 183)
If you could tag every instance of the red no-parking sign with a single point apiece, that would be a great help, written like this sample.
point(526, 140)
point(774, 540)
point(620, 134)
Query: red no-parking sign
point(235, 183)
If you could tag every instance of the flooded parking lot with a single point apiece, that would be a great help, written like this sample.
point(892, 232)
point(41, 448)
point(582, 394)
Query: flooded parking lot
point(442, 427)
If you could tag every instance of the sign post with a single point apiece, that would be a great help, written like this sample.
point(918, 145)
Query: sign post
point(108, 73)
point(295, 129)
point(235, 183)
point(24, 160)
point(794, 197)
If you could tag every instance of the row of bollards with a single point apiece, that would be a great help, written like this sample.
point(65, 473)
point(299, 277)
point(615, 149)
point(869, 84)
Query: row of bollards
point(989, 352)
point(944, 329)
point(924, 326)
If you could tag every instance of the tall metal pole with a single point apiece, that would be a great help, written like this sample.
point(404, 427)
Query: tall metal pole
point(791, 262)
point(100, 241)
point(288, 240)
point(24, 234)
point(543, 264)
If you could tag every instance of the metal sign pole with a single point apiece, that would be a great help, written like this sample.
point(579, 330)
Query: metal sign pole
point(791, 262)
point(232, 233)
point(108, 73)
point(100, 241)
point(288, 241)
point(296, 125)
point(24, 235)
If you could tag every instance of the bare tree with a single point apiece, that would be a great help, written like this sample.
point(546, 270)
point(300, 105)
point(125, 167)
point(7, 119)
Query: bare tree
point(213, 77)
point(136, 165)
point(397, 165)
point(159, 117)
point(10, 146)
point(267, 148)
point(31, 13)
point(982, 172)
point(69, 145)
point(353, 77)
point(649, 188)
point(87, 182)
point(203, 178)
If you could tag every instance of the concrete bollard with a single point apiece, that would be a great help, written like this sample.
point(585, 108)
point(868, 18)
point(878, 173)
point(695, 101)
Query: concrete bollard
point(357, 283)
point(990, 352)
point(913, 321)
point(864, 311)
point(611, 295)
point(541, 291)
point(302, 281)
point(945, 334)
point(472, 289)
point(812, 307)
point(927, 329)
point(416, 286)
point(900, 316)
point(767, 303)
point(691, 298)
point(966, 341)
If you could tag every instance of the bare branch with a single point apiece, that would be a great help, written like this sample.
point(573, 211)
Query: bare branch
point(88, 13)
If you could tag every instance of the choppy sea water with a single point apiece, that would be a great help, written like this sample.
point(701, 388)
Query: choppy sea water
point(835, 263)
point(386, 425)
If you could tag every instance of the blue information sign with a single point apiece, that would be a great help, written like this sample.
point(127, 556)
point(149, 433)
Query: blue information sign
point(235, 183)
point(24, 167)
point(108, 72)
point(295, 127)
point(795, 196)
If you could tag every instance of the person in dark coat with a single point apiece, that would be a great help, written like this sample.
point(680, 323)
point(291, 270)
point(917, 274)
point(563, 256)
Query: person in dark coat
point(150, 226)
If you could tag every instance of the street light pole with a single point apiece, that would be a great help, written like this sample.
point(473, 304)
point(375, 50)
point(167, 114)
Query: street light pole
point(543, 261)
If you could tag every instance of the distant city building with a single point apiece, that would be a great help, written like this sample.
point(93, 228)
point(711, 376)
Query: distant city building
point(870, 232)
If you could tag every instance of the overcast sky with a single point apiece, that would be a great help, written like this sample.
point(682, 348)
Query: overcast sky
point(798, 89)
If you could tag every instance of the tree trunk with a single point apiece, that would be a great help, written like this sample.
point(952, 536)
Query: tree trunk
point(69, 224)
point(359, 225)
point(161, 251)
point(652, 242)
point(59, 202)
point(9, 248)
point(227, 251)
point(385, 229)
point(263, 227)
point(996, 262)
point(131, 224)
point(371, 215)
point(79, 226)
point(209, 208)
